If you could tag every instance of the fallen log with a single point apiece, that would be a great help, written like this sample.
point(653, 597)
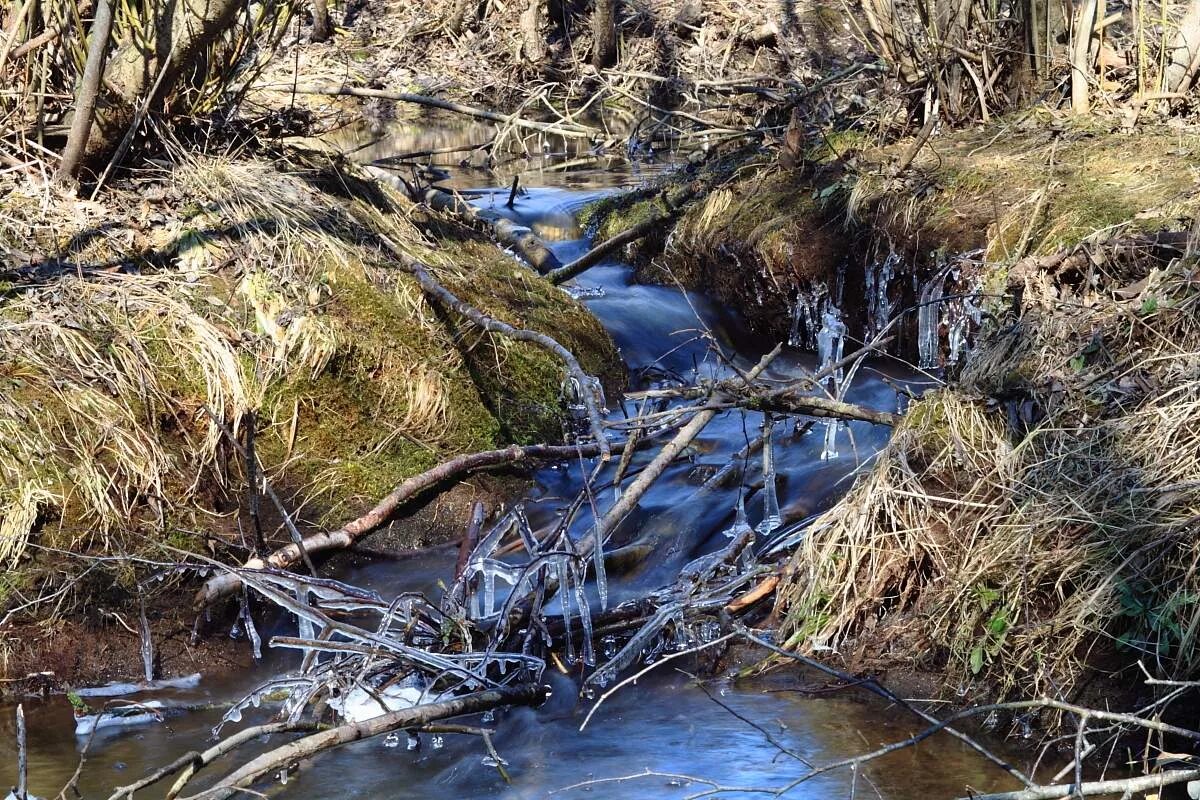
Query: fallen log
point(524, 242)
point(227, 583)
point(282, 757)
point(597, 254)
point(519, 237)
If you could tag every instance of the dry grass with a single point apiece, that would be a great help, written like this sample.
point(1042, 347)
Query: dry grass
point(1031, 184)
point(1038, 519)
point(262, 294)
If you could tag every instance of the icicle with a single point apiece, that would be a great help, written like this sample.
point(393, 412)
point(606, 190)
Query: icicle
point(879, 304)
point(526, 531)
point(147, 643)
point(248, 626)
point(829, 450)
point(305, 625)
point(585, 618)
point(772, 518)
point(829, 343)
point(598, 564)
point(489, 592)
point(562, 568)
point(928, 317)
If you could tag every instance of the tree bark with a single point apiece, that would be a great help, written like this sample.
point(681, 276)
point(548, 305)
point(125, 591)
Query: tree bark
point(186, 29)
point(533, 45)
point(1081, 68)
point(322, 30)
point(604, 34)
point(85, 99)
point(1185, 48)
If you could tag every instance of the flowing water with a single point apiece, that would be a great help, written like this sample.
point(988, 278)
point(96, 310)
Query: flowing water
point(753, 733)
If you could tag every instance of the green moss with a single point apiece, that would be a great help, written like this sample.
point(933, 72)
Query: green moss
point(608, 216)
point(520, 381)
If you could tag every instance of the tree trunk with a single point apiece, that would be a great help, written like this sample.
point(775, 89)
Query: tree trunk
point(533, 46)
point(184, 31)
point(322, 29)
point(1185, 49)
point(85, 99)
point(1081, 67)
point(604, 34)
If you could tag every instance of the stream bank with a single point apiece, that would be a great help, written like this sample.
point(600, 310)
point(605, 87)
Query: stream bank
point(253, 290)
point(1029, 529)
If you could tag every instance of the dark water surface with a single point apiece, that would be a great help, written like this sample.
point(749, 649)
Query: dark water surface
point(664, 723)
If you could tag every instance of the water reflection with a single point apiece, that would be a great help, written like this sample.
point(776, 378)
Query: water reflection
point(540, 160)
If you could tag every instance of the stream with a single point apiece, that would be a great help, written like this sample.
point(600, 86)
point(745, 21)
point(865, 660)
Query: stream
point(666, 722)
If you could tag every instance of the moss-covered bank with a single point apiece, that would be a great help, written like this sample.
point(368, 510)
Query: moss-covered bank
point(241, 290)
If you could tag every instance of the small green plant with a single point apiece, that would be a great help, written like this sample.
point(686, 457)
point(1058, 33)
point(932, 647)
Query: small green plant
point(995, 630)
point(1153, 621)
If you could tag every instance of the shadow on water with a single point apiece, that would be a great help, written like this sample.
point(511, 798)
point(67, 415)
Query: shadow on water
point(665, 723)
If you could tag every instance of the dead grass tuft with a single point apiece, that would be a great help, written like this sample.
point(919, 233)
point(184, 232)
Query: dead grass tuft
point(1039, 519)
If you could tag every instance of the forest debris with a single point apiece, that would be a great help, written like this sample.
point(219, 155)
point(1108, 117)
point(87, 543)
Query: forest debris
point(567, 129)
point(600, 251)
point(226, 583)
point(520, 238)
point(588, 388)
point(763, 590)
point(315, 743)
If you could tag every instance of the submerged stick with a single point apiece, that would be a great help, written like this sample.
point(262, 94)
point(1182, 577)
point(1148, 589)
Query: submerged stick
point(308, 746)
point(876, 688)
point(22, 756)
point(189, 763)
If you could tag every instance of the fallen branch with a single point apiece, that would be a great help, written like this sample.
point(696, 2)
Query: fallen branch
point(227, 583)
point(823, 407)
point(764, 589)
point(193, 761)
point(308, 746)
point(1123, 788)
point(597, 254)
point(670, 451)
point(571, 130)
